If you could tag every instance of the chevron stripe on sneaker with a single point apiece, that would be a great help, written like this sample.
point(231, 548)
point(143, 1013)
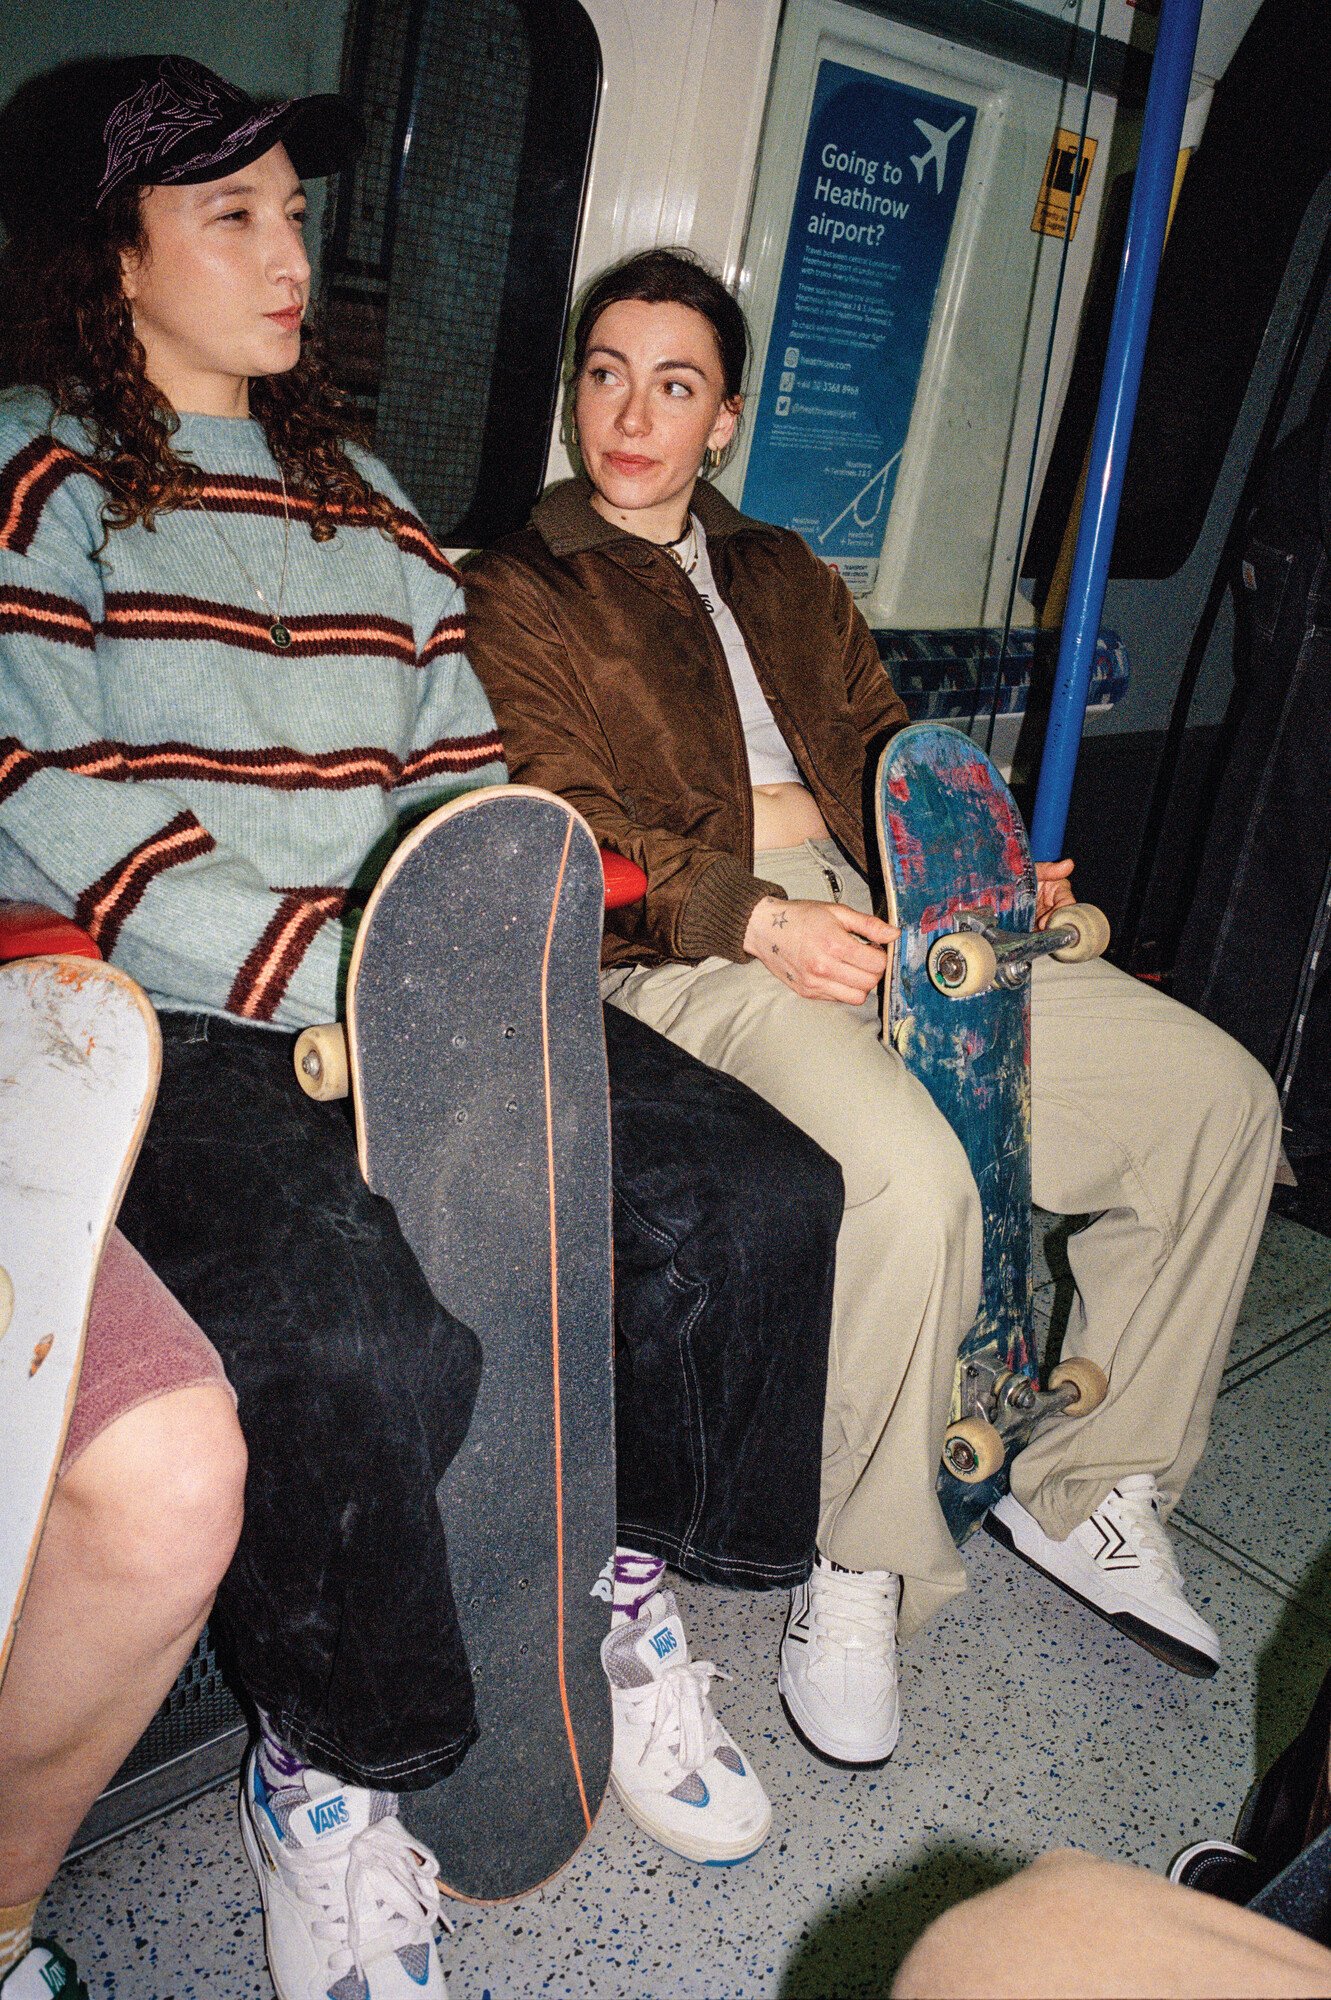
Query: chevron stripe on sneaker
point(1120, 1564)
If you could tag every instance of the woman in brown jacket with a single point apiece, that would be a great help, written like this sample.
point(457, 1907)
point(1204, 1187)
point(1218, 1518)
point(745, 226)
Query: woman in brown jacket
point(703, 689)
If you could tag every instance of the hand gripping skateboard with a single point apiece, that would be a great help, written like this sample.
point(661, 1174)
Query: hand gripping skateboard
point(477, 1070)
point(961, 885)
point(80, 1058)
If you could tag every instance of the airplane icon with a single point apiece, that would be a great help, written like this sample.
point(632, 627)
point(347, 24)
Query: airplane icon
point(936, 149)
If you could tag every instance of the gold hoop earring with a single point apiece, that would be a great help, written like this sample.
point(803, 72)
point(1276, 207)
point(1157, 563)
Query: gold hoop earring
point(711, 458)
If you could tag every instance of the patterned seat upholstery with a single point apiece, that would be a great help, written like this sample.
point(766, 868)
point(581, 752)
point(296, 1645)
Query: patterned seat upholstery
point(954, 676)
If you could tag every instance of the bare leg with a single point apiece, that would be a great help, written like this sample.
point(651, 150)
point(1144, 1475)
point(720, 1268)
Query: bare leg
point(139, 1535)
point(1072, 1927)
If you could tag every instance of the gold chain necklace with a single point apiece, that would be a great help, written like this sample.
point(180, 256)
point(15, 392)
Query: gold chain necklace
point(278, 631)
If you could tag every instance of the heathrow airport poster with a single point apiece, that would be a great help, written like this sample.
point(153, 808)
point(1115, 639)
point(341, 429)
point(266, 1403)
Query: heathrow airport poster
point(882, 169)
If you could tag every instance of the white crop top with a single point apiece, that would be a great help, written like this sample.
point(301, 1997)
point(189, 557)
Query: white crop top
point(770, 761)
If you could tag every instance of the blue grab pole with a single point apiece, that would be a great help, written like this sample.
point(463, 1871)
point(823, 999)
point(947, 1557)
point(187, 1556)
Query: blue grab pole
point(1148, 217)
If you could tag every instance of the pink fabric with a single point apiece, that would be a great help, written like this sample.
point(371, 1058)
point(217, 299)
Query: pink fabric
point(141, 1344)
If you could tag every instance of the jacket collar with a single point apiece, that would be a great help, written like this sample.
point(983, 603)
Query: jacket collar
point(569, 525)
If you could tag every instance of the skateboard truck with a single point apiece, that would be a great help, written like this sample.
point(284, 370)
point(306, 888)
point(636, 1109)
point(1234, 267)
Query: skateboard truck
point(1001, 1408)
point(979, 954)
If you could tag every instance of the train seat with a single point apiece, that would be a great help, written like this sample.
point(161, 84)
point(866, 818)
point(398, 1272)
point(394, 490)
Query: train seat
point(953, 676)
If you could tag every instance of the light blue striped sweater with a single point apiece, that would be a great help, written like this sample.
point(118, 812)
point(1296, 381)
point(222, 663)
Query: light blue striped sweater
point(208, 806)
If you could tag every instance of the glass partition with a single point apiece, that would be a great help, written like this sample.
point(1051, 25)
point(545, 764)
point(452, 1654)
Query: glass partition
point(449, 260)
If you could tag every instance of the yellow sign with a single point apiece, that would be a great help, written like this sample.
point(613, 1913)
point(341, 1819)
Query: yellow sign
point(1056, 189)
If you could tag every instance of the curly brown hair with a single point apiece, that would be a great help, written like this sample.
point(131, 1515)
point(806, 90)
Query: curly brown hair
point(67, 329)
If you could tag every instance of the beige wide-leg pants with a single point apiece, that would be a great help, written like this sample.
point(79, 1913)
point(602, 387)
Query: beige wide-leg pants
point(1142, 1113)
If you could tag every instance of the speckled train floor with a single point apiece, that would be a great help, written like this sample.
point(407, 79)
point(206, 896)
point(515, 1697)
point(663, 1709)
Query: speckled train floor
point(1029, 1724)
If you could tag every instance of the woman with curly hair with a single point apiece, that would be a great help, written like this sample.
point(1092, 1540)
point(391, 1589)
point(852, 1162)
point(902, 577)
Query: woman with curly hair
point(232, 663)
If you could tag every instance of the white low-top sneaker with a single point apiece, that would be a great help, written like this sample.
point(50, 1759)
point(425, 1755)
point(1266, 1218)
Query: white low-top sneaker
point(838, 1672)
point(350, 1900)
point(676, 1770)
point(1120, 1563)
point(43, 1973)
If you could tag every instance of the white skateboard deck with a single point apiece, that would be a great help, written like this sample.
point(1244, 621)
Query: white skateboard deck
point(80, 1058)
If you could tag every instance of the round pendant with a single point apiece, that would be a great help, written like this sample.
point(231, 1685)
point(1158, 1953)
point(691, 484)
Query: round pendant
point(279, 635)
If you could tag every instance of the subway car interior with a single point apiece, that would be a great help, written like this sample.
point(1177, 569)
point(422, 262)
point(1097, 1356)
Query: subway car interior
point(923, 206)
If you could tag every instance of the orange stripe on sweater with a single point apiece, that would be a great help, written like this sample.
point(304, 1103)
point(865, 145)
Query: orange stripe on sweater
point(147, 858)
point(320, 909)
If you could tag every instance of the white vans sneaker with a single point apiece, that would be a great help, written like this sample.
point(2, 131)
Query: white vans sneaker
point(350, 1900)
point(838, 1673)
point(1121, 1564)
point(677, 1772)
point(43, 1973)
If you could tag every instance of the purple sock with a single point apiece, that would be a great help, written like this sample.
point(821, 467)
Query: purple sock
point(279, 1765)
point(637, 1577)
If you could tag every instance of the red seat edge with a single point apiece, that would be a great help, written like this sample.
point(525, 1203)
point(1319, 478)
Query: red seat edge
point(29, 930)
point(624, 880)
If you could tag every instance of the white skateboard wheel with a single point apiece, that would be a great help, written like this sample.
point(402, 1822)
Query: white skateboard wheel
point(321, 1062)
point(1092, 928)
point(973, 1450)
point(1087, 1378)
point(962, 963)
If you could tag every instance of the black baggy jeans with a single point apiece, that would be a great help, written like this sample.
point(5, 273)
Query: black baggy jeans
point(355, 1386)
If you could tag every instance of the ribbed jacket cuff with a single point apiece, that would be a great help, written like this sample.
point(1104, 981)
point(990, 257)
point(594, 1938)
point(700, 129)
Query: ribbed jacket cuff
point(713, 921)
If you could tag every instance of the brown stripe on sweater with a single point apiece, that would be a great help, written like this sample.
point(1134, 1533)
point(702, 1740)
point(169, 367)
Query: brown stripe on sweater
point(267, 972)
point(17, 765)
point(225, 495)
point(34, 473)
point(44, 615)
point(27, 483)
point(275, 767)
point(417, 537)
point(452, 753)
point(145, 614)
point(106, 903)
point(448, 636)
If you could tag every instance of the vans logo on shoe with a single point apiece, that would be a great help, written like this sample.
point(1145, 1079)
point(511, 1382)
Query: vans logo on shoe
point(53, 1977)
point(327, 1815)
point(663, 1643)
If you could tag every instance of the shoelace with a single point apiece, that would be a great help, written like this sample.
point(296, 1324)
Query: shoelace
point(1139, 1504)
point(683, 1724)
point(856, 1612)
point(387, 1896)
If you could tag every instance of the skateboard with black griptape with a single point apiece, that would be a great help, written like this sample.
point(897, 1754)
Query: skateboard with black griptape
point(475, 1054)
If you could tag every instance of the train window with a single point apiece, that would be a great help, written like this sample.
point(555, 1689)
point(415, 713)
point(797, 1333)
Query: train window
point(448, 262)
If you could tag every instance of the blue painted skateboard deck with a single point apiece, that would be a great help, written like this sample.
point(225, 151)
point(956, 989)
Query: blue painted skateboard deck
point(953, 848)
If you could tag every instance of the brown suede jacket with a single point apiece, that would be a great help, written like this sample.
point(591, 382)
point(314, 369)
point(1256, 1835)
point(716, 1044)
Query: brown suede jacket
point(610, 687)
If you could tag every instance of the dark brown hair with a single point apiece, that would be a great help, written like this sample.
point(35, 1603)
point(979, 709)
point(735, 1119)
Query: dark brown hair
point(670, 277)
point(67, 329)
